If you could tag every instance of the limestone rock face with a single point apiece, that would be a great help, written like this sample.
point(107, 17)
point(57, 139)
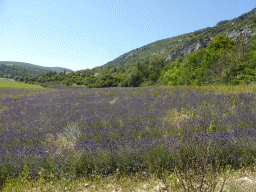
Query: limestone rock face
point(243, 32)
point(201, 44)
point(186, 48)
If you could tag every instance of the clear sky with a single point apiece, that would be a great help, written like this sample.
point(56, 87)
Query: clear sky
point(82, 34)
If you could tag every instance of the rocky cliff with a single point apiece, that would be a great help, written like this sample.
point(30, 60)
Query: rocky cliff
point(244, 32)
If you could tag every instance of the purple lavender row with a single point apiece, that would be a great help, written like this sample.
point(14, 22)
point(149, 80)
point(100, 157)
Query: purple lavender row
point(128, 129)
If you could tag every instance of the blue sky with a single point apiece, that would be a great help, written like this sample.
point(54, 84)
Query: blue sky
point(82, 34)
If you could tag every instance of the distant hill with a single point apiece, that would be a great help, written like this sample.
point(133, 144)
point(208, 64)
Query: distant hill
point(12, 69)
point(59, 69)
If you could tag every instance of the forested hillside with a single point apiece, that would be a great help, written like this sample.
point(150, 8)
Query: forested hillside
point(12, 69)
point(223, 54)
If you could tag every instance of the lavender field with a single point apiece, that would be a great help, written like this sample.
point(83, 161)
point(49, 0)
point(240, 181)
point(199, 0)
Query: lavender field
point(85, 132)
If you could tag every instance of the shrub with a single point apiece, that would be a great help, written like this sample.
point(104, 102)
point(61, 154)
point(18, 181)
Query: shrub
point(234, 82)
point(44, 85)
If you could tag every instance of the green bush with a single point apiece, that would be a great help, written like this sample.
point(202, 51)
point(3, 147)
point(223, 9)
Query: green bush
point(68, 83)
point(44, 85)
point(234, 82)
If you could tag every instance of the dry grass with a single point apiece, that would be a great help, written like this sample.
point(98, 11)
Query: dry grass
point(237, 181)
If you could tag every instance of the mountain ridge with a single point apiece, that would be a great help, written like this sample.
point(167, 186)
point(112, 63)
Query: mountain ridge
point(192, 42)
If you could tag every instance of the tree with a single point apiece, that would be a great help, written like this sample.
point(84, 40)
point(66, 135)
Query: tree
point(142, 67)
point(153, 77)
point(17, 78)
point(221, 42)
point(79, 80)
point(26, 79)
point(136, 78)
point(171, 76)
point(108, 81)
point(214, 60)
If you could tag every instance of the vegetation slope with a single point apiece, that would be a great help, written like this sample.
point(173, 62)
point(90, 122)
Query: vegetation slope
point(224, 54)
